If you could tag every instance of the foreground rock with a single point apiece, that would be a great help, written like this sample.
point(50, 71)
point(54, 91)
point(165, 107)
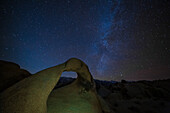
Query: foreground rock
point(10, 73)
point(35, 93)
point(121, 97)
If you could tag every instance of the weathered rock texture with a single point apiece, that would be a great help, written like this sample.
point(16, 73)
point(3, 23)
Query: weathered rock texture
point(30, 95)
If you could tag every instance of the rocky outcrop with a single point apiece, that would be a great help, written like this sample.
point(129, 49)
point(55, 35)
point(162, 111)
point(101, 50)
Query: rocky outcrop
point(10, 73)
point(121, 97)
point(33, 93)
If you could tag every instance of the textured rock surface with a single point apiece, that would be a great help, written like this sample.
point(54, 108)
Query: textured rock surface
point(30, 95)
point(80, 96)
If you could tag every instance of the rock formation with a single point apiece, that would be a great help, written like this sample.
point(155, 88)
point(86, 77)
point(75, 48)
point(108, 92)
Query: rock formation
point(77, 97)
point(30, 95)
point(20, 92)
point(10, 73)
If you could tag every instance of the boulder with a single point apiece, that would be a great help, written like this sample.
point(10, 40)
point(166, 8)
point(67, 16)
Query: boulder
point(10, 73)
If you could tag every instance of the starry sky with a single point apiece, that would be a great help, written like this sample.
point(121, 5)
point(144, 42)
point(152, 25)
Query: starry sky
point(118, 39)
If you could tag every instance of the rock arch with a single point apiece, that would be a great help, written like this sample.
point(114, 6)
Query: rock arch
point(30, 95)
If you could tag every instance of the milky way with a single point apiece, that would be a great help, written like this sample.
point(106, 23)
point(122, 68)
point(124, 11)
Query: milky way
point(118, 39)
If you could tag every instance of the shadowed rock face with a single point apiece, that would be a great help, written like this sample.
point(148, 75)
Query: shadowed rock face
point(30, 95)
point(10, 73)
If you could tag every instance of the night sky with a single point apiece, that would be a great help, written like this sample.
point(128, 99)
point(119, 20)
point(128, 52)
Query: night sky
point(118, 39)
